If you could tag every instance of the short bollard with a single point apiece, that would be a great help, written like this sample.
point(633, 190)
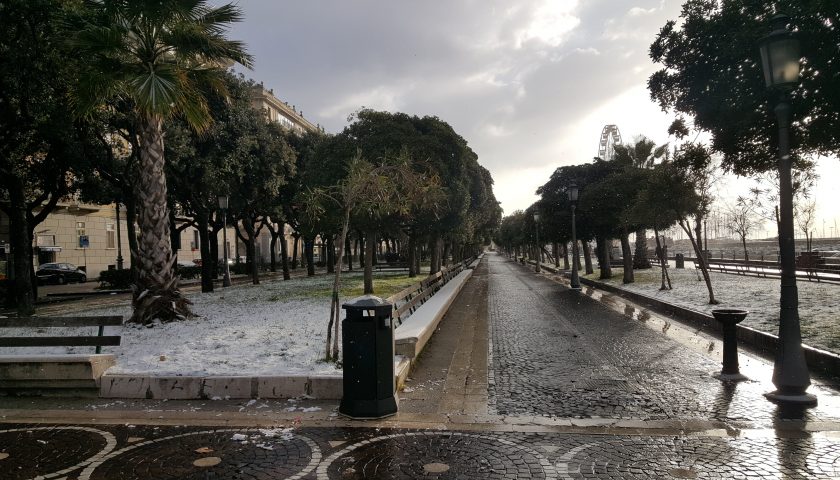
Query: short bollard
point(729, 319)
point(368, 341)
point(679, 259)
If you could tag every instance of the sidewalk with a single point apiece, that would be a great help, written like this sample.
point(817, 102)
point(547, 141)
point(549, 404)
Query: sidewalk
point(523, 379)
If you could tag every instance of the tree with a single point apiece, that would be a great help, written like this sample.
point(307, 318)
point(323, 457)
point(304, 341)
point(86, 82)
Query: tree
point(641, 154)
point(159, 55)
point(712, 72)
point(43, 150)
point(743, 220)
point(805, 214)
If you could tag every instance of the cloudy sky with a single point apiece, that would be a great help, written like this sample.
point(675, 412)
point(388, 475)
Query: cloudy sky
point(529, 84)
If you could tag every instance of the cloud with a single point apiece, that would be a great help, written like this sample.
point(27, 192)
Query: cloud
point(529, 85)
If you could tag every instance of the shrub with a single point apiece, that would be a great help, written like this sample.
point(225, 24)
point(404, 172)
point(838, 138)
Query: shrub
point(117, 279)
point(188, 273)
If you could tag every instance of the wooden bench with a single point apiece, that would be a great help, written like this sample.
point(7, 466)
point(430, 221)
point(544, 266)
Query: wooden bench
point(40, 373)
point(411, 298)
point(383, 267)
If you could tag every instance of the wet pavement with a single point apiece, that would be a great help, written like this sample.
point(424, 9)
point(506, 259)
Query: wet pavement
point(523, 379)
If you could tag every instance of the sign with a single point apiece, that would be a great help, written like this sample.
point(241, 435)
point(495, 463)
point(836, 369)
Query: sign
point(84, 241)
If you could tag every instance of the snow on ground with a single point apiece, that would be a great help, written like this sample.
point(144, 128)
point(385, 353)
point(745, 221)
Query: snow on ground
point(819, 303)
point(273, 328)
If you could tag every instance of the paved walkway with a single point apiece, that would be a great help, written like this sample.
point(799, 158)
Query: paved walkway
point(524, 379)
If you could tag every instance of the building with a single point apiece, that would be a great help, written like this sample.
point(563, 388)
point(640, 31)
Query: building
point(281, 112)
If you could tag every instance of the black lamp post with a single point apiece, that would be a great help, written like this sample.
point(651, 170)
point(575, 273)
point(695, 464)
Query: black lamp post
point(223, 205)
point(572, 190)
point(119, 239)
point(539, 250)
point(780, 55)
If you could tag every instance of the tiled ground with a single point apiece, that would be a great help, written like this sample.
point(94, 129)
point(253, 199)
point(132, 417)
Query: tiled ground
point(143, 452)
point(557, 353)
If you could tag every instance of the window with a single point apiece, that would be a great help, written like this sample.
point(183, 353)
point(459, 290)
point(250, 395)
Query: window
point(110, 236)
point(45, 241)
point(195, 242)
point(80, 228)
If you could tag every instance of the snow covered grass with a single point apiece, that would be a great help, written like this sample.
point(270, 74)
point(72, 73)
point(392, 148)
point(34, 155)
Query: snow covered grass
point(819, 303)
point(277, 327)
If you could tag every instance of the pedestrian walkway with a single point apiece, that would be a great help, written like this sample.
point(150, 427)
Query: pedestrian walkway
point(523, 379)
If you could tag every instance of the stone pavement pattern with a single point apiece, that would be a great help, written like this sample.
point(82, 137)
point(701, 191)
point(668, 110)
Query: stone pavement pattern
point(145, 452)
point(522, 380)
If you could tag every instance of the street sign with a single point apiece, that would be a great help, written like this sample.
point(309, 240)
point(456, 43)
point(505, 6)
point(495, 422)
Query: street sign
point(84, 241)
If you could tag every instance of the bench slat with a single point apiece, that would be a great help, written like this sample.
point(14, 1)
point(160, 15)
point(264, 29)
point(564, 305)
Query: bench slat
point(107, 320)
point(59, 341)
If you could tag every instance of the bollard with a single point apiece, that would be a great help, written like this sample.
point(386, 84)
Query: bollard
point(369, 389)
point(729, 319)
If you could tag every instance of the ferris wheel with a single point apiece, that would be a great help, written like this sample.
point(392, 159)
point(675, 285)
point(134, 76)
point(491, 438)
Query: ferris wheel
point(610, 137)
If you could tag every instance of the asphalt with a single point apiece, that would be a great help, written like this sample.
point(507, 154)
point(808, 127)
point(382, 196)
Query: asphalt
point(523, 379)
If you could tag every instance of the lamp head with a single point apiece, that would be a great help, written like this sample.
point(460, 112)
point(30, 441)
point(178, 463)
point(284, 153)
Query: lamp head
point(572, 190)
point(223, 202)
point(780, 55)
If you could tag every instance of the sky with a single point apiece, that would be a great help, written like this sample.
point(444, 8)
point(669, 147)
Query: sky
point(529, 84)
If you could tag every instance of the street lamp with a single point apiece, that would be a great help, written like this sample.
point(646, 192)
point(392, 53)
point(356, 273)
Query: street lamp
point(572, 190)
point(539, 250)
point(119, 239)
point(780, 56)
point(223, 205)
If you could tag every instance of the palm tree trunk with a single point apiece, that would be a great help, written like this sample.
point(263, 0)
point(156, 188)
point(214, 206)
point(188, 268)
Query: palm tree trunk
point(156, 294)
point(641, 260)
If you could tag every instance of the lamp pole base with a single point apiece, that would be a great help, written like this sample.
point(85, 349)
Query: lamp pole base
point(792, 398)
point(731, 377)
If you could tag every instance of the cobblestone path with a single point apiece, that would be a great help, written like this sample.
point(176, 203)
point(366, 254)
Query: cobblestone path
point(558, 353)
point(145, 452)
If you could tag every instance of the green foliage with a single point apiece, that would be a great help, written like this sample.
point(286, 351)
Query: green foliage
point(712, 72)
point(116, 279)
point(188, 273)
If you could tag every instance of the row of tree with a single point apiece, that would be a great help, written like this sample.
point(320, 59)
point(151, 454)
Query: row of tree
point(711, 74)
point(94, 89)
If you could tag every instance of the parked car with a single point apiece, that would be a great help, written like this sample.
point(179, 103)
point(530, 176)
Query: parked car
point(60, 273)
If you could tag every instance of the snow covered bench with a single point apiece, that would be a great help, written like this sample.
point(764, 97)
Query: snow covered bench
point(413, 334)
point(70, 372)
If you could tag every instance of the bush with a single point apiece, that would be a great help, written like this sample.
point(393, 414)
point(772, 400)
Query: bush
point(188, 273)
point(116, 279)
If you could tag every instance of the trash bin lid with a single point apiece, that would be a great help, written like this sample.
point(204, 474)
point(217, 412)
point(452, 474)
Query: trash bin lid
point(366, 301)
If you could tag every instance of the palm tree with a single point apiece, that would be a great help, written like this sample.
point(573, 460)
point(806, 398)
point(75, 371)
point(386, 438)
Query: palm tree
point(160, 56)
point(642, 154)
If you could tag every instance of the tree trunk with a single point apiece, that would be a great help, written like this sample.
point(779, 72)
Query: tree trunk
point(663, 262)
point(698, 230)
point(284, 250)
point(627, 254)
point(295, 251)
point(587, 257)
point(412, 252)
point(214, 252)
point(565, 256)
point(156, 295)
point(701, 260)
point(447, 247)
point(309, 250)
point(435, 256)
point(418, 254)
point(330, 255)
point(361, 250)
point(334, 308)
point(370, 252)
point(204, 246)
point(603, 251)
point(272, 266)
point(251, 245)
point(21, 243)
point(746, 254)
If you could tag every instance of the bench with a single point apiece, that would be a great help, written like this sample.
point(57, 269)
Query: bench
point(418, 309)
point(384, 267)
point(79, 373)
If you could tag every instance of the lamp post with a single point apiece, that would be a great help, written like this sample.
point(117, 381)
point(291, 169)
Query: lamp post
point(780, 55)
point(572, 190)
point(223, 205)
point(539, 250)
point(119, 240)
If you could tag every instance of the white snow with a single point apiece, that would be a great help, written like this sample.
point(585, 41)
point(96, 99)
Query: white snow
point(818, 302)
point(273, 328)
